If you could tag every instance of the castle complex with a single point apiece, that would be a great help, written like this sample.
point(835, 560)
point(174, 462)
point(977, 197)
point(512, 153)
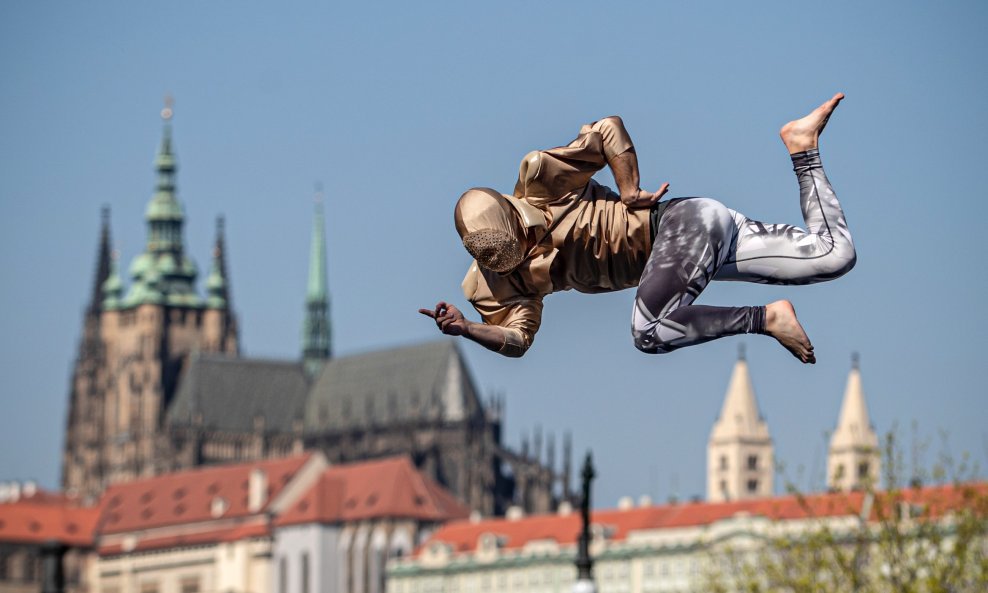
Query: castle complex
point(159, 384)
point(189, 467)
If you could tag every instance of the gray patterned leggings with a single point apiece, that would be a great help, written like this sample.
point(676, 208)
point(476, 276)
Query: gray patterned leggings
point(699, 240)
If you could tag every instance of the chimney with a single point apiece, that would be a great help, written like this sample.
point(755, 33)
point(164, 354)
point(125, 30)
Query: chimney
point(257, 490)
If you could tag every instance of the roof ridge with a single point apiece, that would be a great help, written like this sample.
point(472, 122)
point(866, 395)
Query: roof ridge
point(236, 359)
point(435, 343)
point(193, 471)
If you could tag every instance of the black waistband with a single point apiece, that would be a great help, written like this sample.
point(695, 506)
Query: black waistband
point(655, 216)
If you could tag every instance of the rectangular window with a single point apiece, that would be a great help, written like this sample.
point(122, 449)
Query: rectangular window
point(283, 575)
point(752, 462)
point(305, 572)
point(189, 585)
point(752, 485)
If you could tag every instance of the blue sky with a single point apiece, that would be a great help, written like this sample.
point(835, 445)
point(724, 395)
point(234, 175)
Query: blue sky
point(397, 108)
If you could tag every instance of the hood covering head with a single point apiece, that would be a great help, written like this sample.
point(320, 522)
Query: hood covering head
point(490, 229)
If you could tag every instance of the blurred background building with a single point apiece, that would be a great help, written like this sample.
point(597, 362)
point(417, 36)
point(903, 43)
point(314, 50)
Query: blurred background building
point(644, 547)
point(159, 383)
point(188, 467)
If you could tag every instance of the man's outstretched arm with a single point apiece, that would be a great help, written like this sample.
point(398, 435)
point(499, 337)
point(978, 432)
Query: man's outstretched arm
point(451, 322)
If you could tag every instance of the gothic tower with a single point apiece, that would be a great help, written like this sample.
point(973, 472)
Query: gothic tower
point(135, 346)
point(740, 455)
point(853, 462)
point(220, 323)
point(84, 419)
point(316, 329)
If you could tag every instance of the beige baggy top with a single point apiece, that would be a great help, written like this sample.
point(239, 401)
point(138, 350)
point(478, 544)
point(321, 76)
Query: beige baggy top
point(589, 241)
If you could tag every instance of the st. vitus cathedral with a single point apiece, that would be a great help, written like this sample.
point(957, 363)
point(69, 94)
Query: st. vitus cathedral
point(159, 383)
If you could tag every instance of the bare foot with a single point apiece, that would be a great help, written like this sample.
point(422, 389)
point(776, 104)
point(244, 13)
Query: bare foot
point(804, 133)
point(781, 324)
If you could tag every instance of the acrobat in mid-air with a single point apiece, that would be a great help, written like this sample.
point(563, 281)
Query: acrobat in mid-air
point(562, 230)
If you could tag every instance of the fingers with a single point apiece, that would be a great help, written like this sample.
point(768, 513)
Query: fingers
point(662, 190)
point(444, 315)
point(441, 307)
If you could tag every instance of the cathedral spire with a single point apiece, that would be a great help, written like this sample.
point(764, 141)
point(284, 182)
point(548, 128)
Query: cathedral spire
point(739, 415)
point(103, 263)
point(217, 285)
point(316, 330)
point(740, 454)
point(163, 274)
point(853, 462)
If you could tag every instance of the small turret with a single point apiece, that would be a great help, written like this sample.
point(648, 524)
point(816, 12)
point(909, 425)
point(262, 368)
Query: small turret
point(216, 285)
point(103, 263)
point(219, 328)
point(853, 460)
point(316, 347)
point(113, 287)
point(740, 455)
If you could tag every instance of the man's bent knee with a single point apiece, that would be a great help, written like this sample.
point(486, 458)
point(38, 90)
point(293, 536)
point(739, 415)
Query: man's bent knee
point(646, 342)
point(838, 263)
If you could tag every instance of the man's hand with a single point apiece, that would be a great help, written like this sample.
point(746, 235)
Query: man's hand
point(448, 319)
point(644, 199)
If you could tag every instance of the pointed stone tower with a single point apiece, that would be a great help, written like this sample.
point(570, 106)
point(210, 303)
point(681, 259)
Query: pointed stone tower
point(86, 409)
point(316, 347)
point(853, 462)
point(740, 457)
point(104, 262)
point(219, 321)
point(134, 347)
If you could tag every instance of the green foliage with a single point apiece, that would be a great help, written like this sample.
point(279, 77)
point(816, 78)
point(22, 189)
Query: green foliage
point(904, 539)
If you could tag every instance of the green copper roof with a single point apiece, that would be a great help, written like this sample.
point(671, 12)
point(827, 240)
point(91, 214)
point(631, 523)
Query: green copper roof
point(318, 288)
point(113, 287)
point(163, 274)
point(316, 328)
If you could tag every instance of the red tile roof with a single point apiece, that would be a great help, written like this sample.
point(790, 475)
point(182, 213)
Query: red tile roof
point(187, 496)
point(389, 487)
point(463, 535)
point(52, 518)
point(212, 536)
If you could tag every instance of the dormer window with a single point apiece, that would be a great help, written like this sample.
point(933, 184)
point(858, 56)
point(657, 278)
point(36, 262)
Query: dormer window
point(218, 507)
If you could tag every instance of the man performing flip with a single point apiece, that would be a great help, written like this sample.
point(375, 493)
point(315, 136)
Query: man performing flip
point(562, 230)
